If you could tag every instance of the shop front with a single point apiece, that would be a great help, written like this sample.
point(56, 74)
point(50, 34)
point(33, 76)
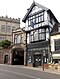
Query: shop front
point(35, 55)
point(56, 58)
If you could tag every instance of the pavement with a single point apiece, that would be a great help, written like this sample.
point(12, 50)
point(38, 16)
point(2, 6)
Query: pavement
point(54, 71)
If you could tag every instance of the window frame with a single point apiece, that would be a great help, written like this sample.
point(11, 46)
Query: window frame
point(57, 44)
point(38, 16)
point(3, 28)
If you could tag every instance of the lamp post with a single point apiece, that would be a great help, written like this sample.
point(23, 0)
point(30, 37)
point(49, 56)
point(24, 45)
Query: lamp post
point(43, 58)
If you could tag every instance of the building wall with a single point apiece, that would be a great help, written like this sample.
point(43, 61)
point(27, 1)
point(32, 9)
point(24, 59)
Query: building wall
point(55, 53)
point(4, 52)
point(19, 32)
point(52, 41)
point(22, 43)
point(6, 27)
point(9, 52)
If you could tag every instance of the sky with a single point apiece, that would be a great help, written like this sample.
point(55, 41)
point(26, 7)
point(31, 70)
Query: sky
point(18, 8)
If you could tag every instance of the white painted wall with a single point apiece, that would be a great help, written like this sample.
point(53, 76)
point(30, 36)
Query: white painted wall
point(45, 16)
point(52, 41)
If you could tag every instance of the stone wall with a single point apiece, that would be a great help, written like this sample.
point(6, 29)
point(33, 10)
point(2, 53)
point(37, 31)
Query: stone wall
point(6, 27)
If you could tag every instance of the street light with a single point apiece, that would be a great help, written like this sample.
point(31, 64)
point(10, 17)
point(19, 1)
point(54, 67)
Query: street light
point(43, 58)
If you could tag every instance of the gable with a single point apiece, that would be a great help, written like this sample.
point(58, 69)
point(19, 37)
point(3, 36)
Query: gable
point(34, 8)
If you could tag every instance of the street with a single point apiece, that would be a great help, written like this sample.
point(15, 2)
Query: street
point(18, 72)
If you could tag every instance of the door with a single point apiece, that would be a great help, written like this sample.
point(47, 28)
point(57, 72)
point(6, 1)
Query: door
point(6, 59)
point(18, 58)
point(37, 60)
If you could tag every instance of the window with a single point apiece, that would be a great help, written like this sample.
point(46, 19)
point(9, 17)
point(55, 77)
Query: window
point(37, 20)
point(41, 18)
point(31, 36)
point(35, 35)
point(41, 34)
point(8, 29)
point(27, 38)
point(13, 27)
point(3, 28)
point(57, 44)
point(18, 39)
point(15, 39)
point(59, 29)
point(32, 22)
point(2, 37)
point(47, 34)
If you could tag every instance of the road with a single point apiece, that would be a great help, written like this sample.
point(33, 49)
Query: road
point(18, 72)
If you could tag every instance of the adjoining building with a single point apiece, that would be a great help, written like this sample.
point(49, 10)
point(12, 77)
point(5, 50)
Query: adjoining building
point(18, 51)
point(16, 54)
point(55, 44)
point(39, 22)
point(6, 27)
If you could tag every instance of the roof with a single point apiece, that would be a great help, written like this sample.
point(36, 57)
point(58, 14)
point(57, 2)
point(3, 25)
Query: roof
point(31, 7)
point(39, 6)
point(55, 29)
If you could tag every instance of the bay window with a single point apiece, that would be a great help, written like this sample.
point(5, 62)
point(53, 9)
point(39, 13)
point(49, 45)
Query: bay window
point(35, 35)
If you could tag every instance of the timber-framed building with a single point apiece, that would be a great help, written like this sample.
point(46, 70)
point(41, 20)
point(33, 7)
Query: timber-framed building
point(39, 22)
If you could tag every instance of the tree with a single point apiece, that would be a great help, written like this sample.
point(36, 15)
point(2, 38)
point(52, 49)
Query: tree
point(5, 43)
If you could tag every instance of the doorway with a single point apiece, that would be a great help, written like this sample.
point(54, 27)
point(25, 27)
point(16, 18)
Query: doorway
point(18, 57)
point(37, 60)
point(5, 59)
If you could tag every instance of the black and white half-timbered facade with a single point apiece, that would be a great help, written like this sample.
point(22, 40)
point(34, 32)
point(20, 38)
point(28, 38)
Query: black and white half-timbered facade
point(39, 22)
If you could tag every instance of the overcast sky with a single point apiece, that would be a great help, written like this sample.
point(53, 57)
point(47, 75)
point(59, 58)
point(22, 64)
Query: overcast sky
point(18, 8)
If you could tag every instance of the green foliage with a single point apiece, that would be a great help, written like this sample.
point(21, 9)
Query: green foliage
point(5, 44)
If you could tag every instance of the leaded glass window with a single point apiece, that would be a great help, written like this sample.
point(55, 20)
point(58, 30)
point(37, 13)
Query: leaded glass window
point(35, 35)
point(41, 34)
